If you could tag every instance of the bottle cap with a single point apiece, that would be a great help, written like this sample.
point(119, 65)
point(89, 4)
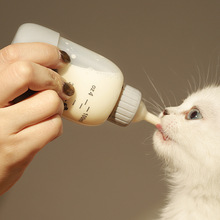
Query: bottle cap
point(126, 106)
point(29, 32)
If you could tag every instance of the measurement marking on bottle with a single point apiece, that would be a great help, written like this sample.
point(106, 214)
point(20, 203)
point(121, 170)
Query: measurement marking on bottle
point(86, 101)
point(83, 117)
point(87, 109)
point(80, 106)
point(74, 102)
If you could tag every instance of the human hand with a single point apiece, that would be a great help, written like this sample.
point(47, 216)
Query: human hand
point(27, 126)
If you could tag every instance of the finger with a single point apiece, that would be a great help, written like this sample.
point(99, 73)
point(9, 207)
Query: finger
point(41, 53)
point(32, 139)
point(23, 75)
point(33, 110)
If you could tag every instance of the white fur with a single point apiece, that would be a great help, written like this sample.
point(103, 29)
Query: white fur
point(191, 157)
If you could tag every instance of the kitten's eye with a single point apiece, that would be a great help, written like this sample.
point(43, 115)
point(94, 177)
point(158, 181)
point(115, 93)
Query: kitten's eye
point(194, 114)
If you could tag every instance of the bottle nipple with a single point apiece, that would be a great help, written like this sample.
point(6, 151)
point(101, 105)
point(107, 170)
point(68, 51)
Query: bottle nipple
point(143, 114)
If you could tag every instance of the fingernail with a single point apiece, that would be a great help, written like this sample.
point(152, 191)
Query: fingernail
point(68, 89)
point(64, 56)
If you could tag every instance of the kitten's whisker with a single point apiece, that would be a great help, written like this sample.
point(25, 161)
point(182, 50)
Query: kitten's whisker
point(200, 81)
point(146, 139)
point(217, 71)
point(159, 107)
point(199, 78)
point(172, 93)
point(168, 100)
point(206, 80)
point(194, 84)
point(209, 77)
point(155, 89)
point(154, 104)
point(190, 87)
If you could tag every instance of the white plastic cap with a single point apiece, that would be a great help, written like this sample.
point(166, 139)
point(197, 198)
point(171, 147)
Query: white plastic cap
point(80, 56)
point(29, 32)
point(126, 106)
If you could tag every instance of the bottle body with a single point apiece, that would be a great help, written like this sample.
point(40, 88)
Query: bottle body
point(98, 82)
point(96, 94)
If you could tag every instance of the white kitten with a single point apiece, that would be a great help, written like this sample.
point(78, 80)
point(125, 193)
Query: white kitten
point(188, 141)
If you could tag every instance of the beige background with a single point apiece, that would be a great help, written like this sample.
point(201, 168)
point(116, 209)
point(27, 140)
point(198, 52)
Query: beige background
point(108, 172)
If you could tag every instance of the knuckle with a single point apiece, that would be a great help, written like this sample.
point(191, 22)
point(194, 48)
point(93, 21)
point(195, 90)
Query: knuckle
point(9, 54)
point(51, 80)
point(13, 161)
point(8, 153)
point(23, 71)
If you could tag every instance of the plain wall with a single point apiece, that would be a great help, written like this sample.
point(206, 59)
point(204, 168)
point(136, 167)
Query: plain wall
point(108, 172)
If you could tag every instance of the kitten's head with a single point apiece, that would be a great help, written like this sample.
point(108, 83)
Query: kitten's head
point(189, 135)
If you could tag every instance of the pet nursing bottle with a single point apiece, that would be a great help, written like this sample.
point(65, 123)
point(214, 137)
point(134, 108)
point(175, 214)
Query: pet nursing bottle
point(100, 93)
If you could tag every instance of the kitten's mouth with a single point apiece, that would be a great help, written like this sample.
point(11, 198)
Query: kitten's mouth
point(160, 129)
